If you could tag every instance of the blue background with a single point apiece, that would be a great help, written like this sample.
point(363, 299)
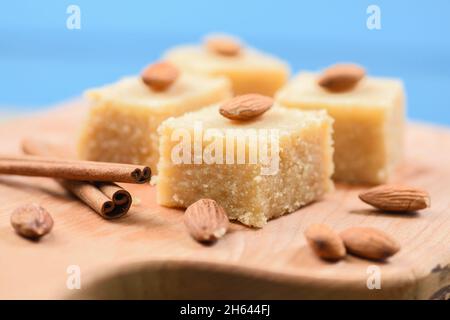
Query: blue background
point(42, 62)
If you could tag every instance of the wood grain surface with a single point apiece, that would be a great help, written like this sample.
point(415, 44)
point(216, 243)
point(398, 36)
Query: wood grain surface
point(149, 254)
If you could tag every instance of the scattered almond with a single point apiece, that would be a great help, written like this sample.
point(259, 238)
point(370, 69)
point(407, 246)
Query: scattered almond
point(245, 107)
point(325, 242)
point(160, 76)
point(396, 198)
point(206, 221)
point(341, 77)
point(369, 243)
point(223, 45)
point(31, 221)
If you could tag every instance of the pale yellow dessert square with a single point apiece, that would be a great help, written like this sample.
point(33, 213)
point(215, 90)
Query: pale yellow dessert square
point(256, 188)
point(124, 117)
point(368, 128)
point(251, 71)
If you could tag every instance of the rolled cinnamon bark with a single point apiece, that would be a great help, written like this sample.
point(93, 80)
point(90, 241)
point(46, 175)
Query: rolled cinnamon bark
point(102, 203)
point(120, 197)
point(108, 199)
point(74, 169)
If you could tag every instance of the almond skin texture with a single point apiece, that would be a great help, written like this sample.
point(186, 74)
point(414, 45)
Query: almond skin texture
point(369, 243)
point(160, 76)
point(246, 107)
point(223, 45)
point(206, 221)
point(31, 221)
point(325, 242)
point(341, 77)
point(396, 198)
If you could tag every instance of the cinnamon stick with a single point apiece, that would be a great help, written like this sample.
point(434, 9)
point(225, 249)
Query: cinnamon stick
point(108, 199)
point(103, 204)
point(74, 169)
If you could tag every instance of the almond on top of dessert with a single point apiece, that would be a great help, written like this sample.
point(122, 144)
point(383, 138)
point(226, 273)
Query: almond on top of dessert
point(122, 123)
point(369, 121)
point(256, 170)
point(250, 70)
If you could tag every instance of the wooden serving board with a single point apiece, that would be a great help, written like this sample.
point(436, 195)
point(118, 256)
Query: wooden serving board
point(148, 253)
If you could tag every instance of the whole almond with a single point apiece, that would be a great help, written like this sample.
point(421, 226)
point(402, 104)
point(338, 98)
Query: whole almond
point(206, 221)
point(341, 77)
point(369, 243)
point(246, 107)
point(31, 221)
point(325, 242)
point(160, 76)
point(396, 198)
point(223, 45)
